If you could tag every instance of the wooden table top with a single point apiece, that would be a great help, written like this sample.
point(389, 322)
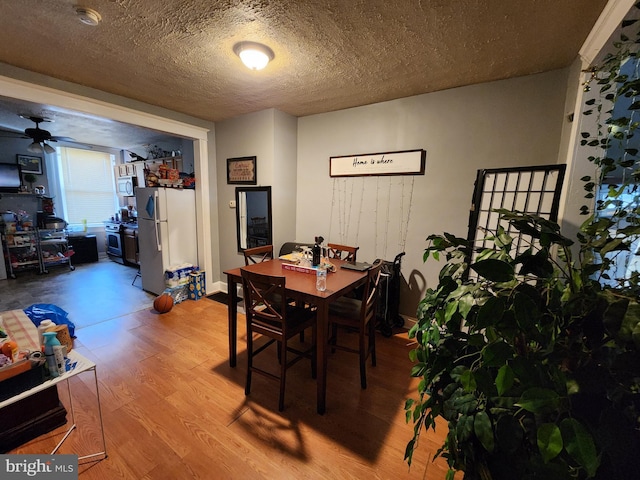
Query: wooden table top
point(338, 282)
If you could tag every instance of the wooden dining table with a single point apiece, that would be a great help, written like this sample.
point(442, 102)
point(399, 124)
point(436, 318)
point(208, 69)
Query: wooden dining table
point(300, 287)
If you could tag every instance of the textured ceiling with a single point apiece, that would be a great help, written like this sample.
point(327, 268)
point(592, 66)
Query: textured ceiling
point(329, 54)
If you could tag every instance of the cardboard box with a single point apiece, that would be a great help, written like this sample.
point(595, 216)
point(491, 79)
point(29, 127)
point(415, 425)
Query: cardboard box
point(197, 285)
point(299, 268)
point(179, 293)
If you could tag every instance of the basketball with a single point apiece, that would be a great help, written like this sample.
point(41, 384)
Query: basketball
point(163, 303)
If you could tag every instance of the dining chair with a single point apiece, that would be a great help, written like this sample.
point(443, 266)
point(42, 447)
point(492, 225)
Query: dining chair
point(358, 315)
point(258, 254)
point(268, 314)
point(342, 252)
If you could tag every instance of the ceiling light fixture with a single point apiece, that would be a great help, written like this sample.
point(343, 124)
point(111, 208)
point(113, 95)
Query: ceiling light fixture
point(40, 147)
point(88, 16)
point(35, 147)
point(254, 55)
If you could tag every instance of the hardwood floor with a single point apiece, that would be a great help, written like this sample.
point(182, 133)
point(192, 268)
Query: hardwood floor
point(174, 409)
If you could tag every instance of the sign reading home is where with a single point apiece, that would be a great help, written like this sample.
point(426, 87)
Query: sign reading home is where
point(407, 162)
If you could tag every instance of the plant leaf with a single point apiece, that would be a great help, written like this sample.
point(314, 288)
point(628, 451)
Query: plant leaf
point(494, 270)
point(526, 311)
point(468, 381)
point(464, 428)
point(504, 379)
point(490, 313)
point(549, 441)
point(578, 443)
point(539, 400)
point(482, 429)
point(496, 354)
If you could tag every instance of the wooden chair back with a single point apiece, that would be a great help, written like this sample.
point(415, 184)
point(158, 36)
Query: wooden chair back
point(268, 314)
point(342, 252)
point(263, 297)
point(370, 296)
point(258, 254)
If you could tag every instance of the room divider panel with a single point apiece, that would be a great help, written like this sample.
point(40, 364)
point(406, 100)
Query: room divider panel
point(535, 190)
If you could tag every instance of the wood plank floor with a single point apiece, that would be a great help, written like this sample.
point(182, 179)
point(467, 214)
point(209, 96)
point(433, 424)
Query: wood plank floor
point(174, 409)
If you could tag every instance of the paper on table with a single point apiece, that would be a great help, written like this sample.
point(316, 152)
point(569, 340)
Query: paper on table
point(290, 257)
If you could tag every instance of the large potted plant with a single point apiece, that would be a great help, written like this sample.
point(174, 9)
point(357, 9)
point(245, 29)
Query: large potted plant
point(535, 363)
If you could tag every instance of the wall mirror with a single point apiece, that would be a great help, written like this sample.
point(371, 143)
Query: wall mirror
point(253, 217)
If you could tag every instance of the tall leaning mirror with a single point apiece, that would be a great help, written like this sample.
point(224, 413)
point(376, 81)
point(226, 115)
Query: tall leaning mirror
point(253, 217)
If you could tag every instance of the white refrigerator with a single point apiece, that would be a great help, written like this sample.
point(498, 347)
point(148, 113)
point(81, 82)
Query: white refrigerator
point(166, 233)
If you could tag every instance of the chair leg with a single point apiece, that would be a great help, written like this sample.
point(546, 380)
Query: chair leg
point(372, 343)
point(247, 387)
point(283, 373)
point(363, 360)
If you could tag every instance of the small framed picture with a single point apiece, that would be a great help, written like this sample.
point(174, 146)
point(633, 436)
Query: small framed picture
point(30, 164)
point(242, 171)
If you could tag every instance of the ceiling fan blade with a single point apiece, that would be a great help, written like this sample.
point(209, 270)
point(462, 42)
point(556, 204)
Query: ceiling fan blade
point(12, 134)
point(61, 139)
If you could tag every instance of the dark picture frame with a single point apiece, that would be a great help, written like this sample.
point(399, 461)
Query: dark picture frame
point(242, 171)
point(30, 164)
point(403, 162)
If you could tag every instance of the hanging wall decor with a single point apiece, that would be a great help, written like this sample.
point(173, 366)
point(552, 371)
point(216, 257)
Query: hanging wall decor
point(30, 164)
point(407, 162)
point(242, 171)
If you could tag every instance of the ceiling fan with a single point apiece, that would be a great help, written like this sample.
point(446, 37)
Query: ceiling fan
point(39, 136)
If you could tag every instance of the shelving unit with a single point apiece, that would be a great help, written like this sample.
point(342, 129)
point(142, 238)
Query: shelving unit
point(30, 249)
point(22, 251)
point(54, 249)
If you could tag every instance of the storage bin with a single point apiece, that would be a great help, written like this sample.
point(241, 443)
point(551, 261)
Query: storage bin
point(22, 382)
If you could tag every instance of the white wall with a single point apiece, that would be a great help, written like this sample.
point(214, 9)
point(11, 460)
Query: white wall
point(516, 122)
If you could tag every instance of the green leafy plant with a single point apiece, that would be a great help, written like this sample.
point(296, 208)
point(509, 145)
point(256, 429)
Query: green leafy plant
point(30, 178)
point(534, 365)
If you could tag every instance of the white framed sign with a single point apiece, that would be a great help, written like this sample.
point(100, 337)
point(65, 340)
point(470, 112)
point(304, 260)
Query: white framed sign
point(407, 162)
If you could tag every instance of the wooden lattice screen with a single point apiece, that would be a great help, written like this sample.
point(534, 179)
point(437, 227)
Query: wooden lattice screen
point(534, 190)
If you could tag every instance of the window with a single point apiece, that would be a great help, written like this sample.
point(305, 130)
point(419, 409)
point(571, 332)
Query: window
point(86, 185)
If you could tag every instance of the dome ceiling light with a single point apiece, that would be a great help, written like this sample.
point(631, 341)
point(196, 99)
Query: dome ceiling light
point(88, 16)
point(254, 55)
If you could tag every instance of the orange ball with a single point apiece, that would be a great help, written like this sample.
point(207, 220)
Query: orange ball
point(10, 350)
point(163, 303)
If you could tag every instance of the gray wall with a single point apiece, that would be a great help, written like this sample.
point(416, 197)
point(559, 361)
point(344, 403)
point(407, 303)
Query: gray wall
point(270, 136)
point(515, 122)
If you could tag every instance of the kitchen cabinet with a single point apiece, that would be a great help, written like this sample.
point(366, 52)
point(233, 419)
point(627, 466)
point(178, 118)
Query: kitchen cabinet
point(21, 251)
point(126, 170)
point(130, 240)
